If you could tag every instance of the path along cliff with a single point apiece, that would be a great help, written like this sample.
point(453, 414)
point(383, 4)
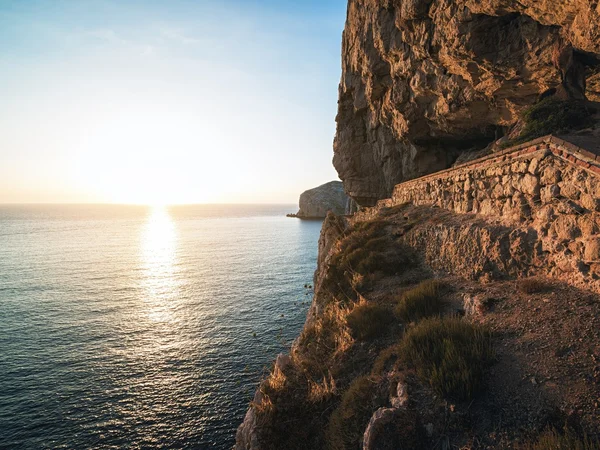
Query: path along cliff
point(460, 308)
point(502, 251)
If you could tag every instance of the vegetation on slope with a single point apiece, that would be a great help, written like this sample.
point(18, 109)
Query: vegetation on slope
point(552, 439)
point(450, 354)
point(369, 321)
point(366, 253)
point(420, 302)
point(552, 116)
point(363, 342)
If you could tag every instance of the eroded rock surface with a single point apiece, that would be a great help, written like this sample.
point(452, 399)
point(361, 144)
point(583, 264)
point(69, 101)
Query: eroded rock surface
point(425, 81)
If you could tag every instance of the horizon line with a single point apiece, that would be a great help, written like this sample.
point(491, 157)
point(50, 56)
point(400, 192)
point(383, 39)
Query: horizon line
point(136, 204)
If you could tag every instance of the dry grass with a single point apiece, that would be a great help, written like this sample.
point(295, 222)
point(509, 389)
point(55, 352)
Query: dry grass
point(277, 379)
point(567, 440)
point(321, 341)
point(420, 302)
point(321, 391)
point(369, 321)
point(349, 420)
point(532, 286)
point(449, 354)
point(290, 413)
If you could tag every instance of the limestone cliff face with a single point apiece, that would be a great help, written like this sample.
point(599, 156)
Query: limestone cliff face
point(316, 203)
point(423, 81)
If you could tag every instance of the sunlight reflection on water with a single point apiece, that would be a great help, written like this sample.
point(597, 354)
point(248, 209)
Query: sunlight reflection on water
point(158, 255)
point(127, 327)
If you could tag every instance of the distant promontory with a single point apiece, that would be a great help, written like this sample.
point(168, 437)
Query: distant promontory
point(316, 203)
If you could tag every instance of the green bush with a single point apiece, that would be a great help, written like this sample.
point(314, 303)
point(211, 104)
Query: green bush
point(366, 258)
point(349, 420)
point(379, 254)
point(420, 302)
point(369, 248)
point(369, 321)
point(553, 440)
point(553, 116)
point(449, 354)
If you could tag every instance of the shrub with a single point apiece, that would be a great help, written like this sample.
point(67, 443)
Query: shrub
point(369, 248)
point(420, 302)
point(553, 440)
point(383, 360)
point(366, 258)
point(320, 341)
point(553, 116)
point(369, 321)
point(449, 354)
point(367, 254)
point(321, 391)
point(350, 418)
point(366, 250)
point(532, 286)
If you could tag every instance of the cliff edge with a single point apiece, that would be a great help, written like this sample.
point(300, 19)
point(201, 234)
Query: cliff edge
point(462, 312)
point(460, 307)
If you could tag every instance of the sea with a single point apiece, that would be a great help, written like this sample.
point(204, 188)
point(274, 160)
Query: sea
point(144, 327)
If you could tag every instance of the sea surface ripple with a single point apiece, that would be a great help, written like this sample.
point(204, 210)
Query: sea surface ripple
point(139, 327)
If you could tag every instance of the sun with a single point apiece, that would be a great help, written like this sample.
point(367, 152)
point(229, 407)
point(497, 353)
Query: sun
point(157, 205)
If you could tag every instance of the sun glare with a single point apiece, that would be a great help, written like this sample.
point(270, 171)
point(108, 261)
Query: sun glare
point(158, 253)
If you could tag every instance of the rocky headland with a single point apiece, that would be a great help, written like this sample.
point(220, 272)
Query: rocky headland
point(460, 307)
point(317, 202)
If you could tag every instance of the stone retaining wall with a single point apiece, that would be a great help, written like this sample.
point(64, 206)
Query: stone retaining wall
point(547, 188)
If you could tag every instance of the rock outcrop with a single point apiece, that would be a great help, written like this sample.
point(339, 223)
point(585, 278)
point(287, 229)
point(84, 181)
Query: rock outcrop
point(425, 81)
point(316, 203)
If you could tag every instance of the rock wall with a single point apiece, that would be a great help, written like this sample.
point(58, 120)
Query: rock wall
point(532, 209)
point(424, 81)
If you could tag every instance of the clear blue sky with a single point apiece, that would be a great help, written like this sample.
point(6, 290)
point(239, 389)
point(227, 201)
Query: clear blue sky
point(167, 101)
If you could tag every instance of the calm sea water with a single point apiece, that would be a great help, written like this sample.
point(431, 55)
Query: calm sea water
point(133, 327)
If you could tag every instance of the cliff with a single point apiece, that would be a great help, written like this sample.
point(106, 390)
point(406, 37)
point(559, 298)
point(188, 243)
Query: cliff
point(317, 202)
point(464, 310)
point(460, 307)
point(425, 81)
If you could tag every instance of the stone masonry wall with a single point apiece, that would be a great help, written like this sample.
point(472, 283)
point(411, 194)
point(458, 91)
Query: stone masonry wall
point(547, 190)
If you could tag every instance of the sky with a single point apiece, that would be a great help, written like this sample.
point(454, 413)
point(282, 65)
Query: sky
point(162, 102)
